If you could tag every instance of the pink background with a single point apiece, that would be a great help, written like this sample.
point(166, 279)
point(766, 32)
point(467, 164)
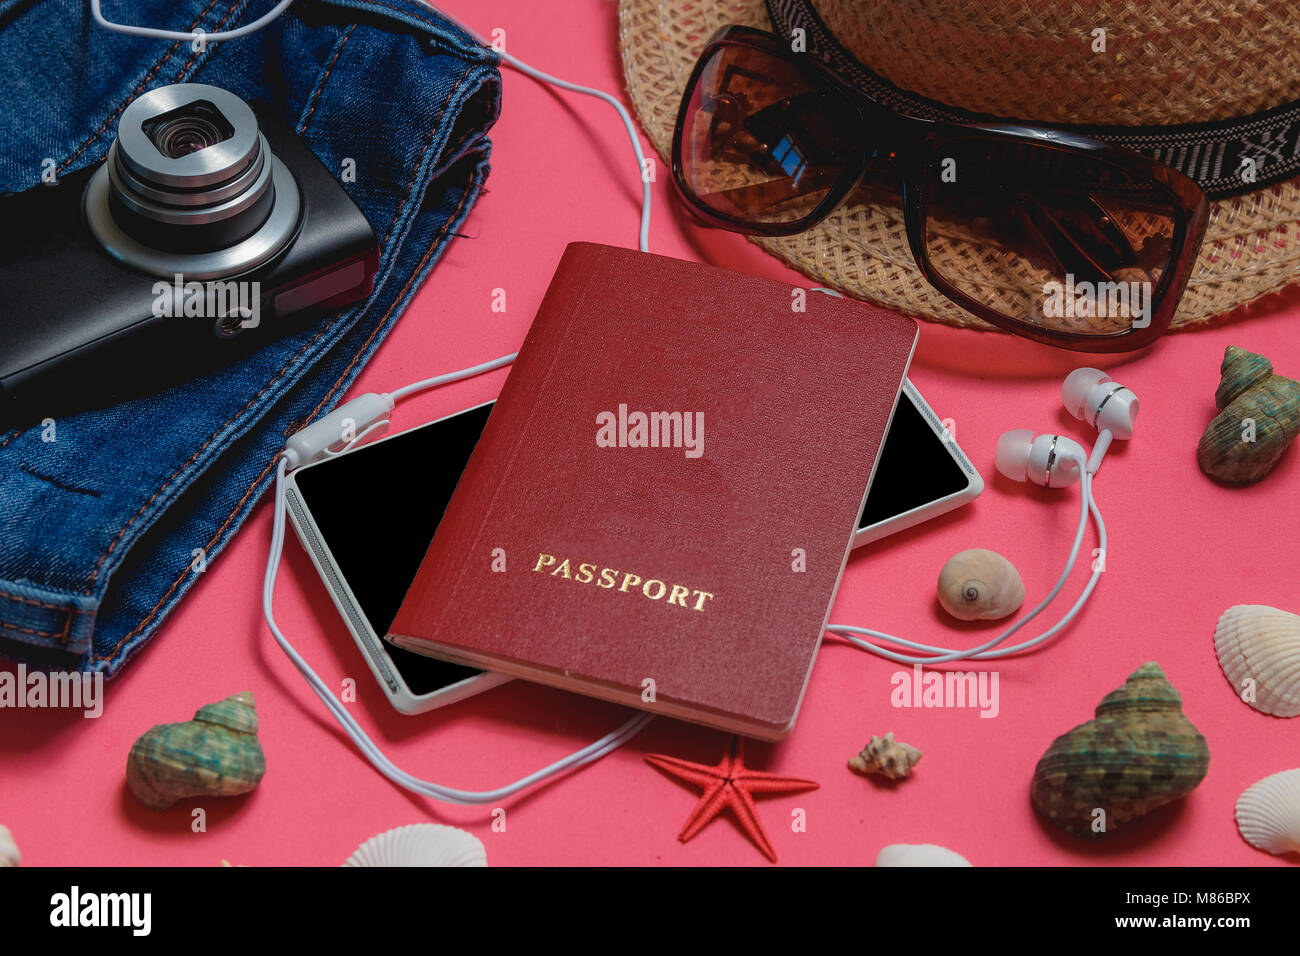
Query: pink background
point(1182, 550)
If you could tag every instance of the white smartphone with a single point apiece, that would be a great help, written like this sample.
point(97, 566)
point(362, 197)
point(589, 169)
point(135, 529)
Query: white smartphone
point(366, 518)
point(368, 555)
point(922, 472)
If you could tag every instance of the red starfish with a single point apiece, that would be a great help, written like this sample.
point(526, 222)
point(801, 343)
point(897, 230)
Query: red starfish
point(729, 784)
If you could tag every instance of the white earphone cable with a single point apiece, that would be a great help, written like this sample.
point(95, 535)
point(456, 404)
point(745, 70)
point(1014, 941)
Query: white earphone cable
point(990, 649)
point(437, 380)
point(98, 14)
point(591, 752)
point(643, 239)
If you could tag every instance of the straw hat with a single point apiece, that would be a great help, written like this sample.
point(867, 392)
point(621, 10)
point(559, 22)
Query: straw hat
point(1166, 63)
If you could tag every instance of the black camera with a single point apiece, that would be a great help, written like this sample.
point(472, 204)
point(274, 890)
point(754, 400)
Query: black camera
point(210, 228)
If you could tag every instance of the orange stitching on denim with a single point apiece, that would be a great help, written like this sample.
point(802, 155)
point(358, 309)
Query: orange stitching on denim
point(409, 13)
point(198, 53)
point(144, 507)
point(177, 583)
point(400, 296)
point(427, 143)
point(27, 630)
point(320, 87)
point(49, 607)
point(94, 575)
point(388, 233)
point(134, 93)
point(60, 636)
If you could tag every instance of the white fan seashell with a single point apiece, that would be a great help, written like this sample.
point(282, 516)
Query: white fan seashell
point(9, 855)
point(421, 844)
point(1261, 645)
point(919, 854)
point(1268, 813)
point(980, 585)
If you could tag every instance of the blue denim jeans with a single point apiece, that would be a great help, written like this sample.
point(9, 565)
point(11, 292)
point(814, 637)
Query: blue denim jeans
point(106, 526)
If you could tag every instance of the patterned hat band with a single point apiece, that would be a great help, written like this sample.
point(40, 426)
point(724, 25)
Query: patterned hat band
point(1227, 157)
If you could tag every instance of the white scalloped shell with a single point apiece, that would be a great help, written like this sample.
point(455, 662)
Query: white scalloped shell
point(421, 844)
point(9, 855)
point(1260, 643)
point(919, 854)
point(1268, 813)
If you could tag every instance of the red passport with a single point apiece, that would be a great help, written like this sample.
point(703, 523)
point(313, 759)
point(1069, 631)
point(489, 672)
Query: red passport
point(661, 505)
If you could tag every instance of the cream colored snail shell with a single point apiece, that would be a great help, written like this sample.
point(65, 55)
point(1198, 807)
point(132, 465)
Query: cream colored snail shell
point(980, 585)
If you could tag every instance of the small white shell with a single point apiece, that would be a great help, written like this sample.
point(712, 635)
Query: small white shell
point(1268, 813)
point(919, 854)
point(980, 585)
point(1261, 644)
point(421, 844)
point(9, 855)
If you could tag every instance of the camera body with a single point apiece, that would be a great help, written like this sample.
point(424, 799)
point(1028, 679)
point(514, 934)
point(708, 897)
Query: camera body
point(210, 228)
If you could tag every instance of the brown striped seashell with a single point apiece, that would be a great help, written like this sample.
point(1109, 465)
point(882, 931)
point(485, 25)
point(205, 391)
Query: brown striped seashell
point(1139, 753)
point(1259, 416)
point(216, 754)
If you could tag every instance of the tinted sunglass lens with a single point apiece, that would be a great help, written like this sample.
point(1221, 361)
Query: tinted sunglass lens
point(760, 142)
point(1049, 238)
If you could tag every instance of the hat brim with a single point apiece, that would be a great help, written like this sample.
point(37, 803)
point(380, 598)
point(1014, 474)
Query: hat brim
point(1251, 246)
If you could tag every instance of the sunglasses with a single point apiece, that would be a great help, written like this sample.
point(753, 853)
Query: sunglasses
point(1039, 231)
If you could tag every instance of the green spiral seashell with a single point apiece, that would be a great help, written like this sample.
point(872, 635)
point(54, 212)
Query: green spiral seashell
point(215, 754)
point(1259, 416)
point(1139, 753)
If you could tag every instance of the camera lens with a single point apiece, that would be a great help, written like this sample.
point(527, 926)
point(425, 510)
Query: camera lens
point(191, 185)
point(187, 130)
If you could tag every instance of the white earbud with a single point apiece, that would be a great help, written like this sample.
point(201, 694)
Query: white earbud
point(1053, 461)
point(1091, 395)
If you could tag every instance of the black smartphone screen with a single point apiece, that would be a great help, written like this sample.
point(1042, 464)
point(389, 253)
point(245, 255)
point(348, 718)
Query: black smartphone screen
point(915, 468)
point(410, 479)
point(377, 509)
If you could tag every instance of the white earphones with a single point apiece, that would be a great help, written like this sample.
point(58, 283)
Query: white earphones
point(1053, 461)
point(1089, 394)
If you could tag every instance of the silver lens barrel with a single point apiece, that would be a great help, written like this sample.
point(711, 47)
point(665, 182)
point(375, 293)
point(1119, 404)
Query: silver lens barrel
point(191, 186)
